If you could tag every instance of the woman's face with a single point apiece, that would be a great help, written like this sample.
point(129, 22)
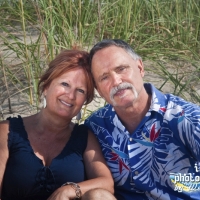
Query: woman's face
point(66, 94)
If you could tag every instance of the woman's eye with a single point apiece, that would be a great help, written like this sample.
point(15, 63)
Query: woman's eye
point(81, 91)
point(65, 84)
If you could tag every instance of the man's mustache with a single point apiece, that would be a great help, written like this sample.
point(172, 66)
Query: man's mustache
point(121, 86)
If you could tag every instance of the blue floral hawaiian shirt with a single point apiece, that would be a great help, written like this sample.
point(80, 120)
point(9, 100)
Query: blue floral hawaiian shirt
point(159, 160)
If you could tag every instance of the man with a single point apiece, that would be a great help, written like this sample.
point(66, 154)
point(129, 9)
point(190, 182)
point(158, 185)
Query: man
point(150, 140)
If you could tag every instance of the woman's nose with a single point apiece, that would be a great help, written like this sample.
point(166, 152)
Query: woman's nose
point(70, 92)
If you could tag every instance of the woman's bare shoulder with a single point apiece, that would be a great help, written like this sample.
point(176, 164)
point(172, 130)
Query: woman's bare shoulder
point(4, 128)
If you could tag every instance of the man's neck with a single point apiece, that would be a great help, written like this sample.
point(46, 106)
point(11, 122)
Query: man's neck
point(133, 115)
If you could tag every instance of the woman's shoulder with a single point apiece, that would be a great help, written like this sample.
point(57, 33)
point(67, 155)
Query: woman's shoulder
point(80, 131)
point(9, 126)
point(81, 127)
point(15, 123)
point(80, 135)
point(4, 130)
point(4, 126)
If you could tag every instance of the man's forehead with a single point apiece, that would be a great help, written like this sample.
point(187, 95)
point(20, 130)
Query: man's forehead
point(109, 49)
point(111, 55)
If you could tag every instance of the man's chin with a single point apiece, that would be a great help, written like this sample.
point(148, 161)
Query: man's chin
point(123, 103)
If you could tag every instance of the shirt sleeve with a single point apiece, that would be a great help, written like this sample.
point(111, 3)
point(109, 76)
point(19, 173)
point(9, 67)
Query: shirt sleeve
point(189, 129)
point(88, 124)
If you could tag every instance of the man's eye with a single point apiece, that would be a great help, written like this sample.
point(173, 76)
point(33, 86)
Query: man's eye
point(104, 78)
point(122, 68)
point(65, 84)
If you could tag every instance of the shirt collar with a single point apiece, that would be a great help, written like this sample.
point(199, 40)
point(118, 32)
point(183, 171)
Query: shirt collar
point(158, 99)
point(158, 104)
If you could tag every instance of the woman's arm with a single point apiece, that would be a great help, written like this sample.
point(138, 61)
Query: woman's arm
point(4, 129)
point(96, 169)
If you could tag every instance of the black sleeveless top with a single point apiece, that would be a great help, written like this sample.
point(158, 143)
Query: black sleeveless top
point(26, 178)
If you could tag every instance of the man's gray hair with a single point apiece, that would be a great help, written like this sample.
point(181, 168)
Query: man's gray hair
point(114, 42)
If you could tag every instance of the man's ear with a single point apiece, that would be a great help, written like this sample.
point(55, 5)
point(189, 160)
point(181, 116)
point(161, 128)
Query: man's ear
point(141, 67)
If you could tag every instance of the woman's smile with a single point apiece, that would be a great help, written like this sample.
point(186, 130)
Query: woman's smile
point(66, 104)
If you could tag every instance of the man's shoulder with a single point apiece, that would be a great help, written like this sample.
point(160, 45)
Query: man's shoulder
point(102, 113)
point(181, 110)
point(102, 117)
point(167, 99)
point(179, 101)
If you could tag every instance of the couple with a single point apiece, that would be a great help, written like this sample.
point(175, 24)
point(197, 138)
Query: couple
point(148, 139)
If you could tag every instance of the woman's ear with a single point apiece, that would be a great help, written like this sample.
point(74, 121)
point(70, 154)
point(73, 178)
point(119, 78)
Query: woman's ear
point(45, 91)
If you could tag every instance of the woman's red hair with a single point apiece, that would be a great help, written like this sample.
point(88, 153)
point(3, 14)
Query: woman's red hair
point(64, 62)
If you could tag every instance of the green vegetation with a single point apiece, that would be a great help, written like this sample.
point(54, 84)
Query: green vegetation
point(166, 33)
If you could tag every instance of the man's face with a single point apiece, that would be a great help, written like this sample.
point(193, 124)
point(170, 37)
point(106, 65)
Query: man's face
point(117, 75)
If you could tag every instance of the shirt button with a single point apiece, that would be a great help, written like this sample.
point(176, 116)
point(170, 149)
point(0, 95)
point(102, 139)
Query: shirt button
point(130, 139)
point(136, 173)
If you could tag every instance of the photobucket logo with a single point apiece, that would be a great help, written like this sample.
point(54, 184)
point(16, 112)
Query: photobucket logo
point(122, 86)
point(190, 177)
point(197, 167)
point(189, 182)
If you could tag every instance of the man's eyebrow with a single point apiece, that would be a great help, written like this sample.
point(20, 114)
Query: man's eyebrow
point(123, 65)
point(116, 68)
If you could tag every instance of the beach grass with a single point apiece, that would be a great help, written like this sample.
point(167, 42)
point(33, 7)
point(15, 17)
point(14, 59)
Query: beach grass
point(165, 33)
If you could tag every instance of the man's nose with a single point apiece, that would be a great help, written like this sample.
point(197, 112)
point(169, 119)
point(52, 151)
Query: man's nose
point(116, 79)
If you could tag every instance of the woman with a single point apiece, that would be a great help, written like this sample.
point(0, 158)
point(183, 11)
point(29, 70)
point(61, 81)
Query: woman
point(42, 152)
